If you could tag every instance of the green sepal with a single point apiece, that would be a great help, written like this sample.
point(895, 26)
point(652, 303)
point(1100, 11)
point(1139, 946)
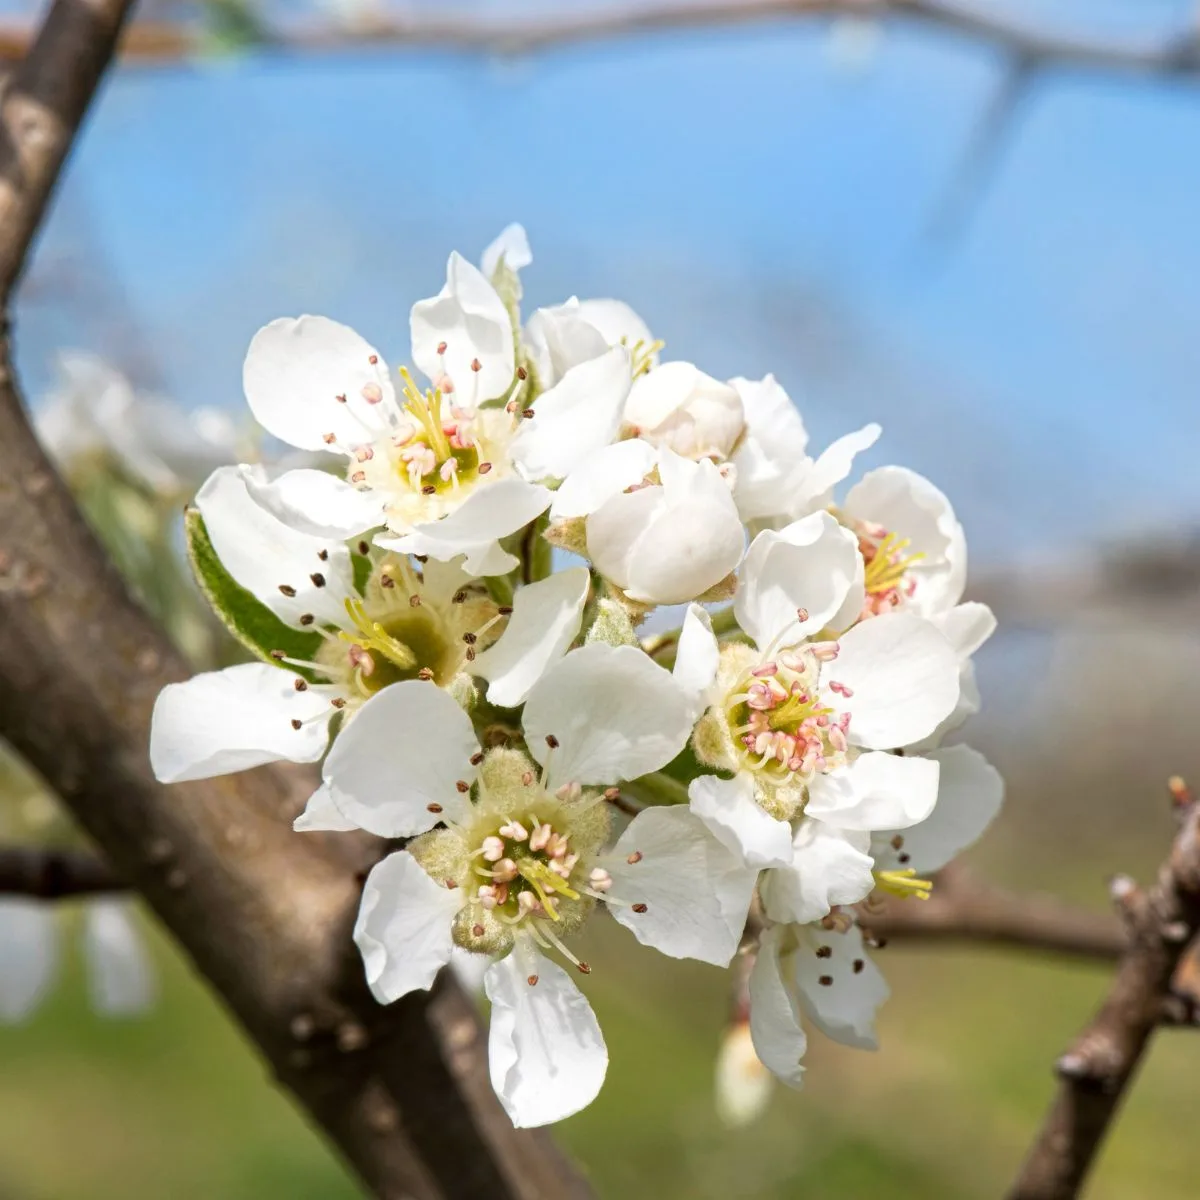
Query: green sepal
point(247, 618)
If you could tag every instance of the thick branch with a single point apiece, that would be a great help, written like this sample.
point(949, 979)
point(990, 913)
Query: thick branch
point(963, 909)
point(264, 913)
point(157, 41)
point(1098, 1068)
point(52, 874)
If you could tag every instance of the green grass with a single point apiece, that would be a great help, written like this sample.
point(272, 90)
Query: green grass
point(176, 1105)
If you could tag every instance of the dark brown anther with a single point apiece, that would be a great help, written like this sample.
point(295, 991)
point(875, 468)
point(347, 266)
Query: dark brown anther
point(634, 858)
point(824, 951)
point(341, 399)
point(902, 859)
point(428, 490)
point(462, 785)
point(470, 655)
point(584, 968)
point(476, 759)
point(414, 601)
point(484, 468)
point(528, 414)
point(287, 589)
point(425, 673)
point(441, 349)
point(421, 558)
point(470, 639)
point(505, 610)
point(460, 597)
point(826, 981)
point(307, 618)
point(551, 741)
point(522, 374)
point(476, 365)
point(897, 842)
point(297, 723)
point(364, 548)
point(338, 702)
point(385, 580)
point(532, 980)
point(323, 555)
point(318, 579)
point(639, 908)
point(300, 685)
point(858, 966)
point(278, 655)
point(433, 808)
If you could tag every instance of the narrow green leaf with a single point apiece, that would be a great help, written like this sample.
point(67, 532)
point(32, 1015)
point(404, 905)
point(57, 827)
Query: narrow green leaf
point(247, 618)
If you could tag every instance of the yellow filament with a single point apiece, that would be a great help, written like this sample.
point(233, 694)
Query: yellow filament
point(904, 884)
point(886, 569)
point(372, 636)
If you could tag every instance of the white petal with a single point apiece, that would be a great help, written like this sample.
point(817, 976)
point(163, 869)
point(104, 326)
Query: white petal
point(320, 813)
point(733, 816)
point(779, 1038)
point(697, 657)
point(813, 481)
point(317, 503)
point(120, 977)
point(909, 505)
point(615, 713)
point(234, 719)
point(829, 867)
point(681, 407)
point(546, 1053)
point(559, 338)
point(545, 620)
point(743, 1084)
point(263, 554)
point(843, 1009)
point(618, 324)
point(696, 892)
point(775, 441)
point(473, 529)
point(970, 793)
point(808, 567)
point(876, 791)
point(966, 626)
point(903, 676)
point(694, 540)
point(29, 950)
point(601, 476)
point(296, 368)
point(403, 927)
point(469, 317)
point(578, 416)
point(469, 969)
point(512, 245)
point(407, 748)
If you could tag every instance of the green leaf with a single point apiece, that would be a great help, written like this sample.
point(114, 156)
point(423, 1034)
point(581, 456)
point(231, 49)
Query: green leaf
point(247, 618)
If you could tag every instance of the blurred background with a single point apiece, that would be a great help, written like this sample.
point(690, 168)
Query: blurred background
point(989, 249)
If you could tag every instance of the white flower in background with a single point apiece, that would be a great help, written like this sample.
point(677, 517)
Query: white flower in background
point(94, 415)
point(119, 977)
point(677, 406)
point(438, 624)
point(521, 866)
point(821, 971)
point(660, 527)
point(564, 335)
point(776, 478)
point(805, 725)
point(445, 476)
point(742, 1084)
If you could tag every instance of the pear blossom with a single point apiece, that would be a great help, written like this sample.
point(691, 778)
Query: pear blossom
point(676, 405)
point(117, 966)
point(662, 528)
point(777, 480)
point(562, 336)
point(521, 857)
point(94, 414)
point(437, 624)
point(804, 724)
point(446, 476)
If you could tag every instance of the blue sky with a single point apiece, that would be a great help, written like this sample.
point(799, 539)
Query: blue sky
point(764, 207)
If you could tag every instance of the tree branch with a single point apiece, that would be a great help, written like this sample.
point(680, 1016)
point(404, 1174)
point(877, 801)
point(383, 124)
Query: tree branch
point(1172, 57)
point(964, 909)
point(264, 913)
point(1098, 1068)
point(53, 874)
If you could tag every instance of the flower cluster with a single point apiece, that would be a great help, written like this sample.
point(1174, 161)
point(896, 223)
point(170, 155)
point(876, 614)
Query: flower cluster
point(449, 620)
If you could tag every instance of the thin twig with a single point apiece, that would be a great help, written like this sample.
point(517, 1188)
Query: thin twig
point(1169, 57)
point(55, 874)
point(1097, 1069)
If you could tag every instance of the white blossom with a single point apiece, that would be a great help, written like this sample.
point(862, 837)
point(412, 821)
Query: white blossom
point(677, 406)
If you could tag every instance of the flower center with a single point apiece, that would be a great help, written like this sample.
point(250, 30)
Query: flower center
point(780, 723)
point(885, 555)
